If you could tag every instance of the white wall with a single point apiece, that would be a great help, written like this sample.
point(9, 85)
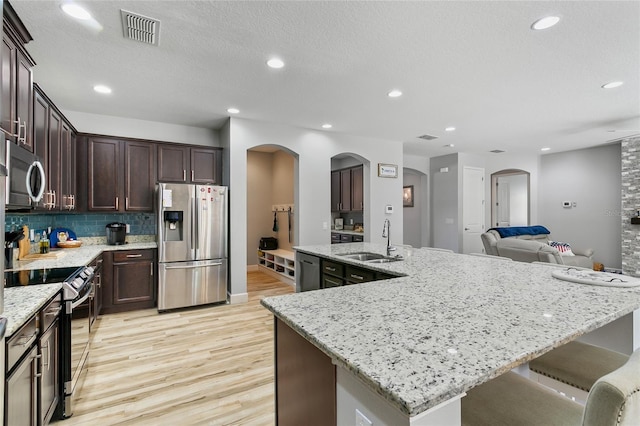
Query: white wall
point(312, 196)
point(444, 202)
point(592, 179)
point(141, 129)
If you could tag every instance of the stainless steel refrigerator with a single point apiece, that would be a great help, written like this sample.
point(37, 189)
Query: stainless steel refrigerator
point(192, 245)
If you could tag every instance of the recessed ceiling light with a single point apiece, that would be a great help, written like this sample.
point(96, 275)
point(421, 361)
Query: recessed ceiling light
point(75, 11)
point(326, 126)
point(275, 63)
point(449, 145)
point(612, 84)
point(546, 22)
point(449, 129)
point(233, 110)
point(546, 148)
point(100, 88)
point(394, 93)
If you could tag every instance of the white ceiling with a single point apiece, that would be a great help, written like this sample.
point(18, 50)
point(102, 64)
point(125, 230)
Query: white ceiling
point(475, 65)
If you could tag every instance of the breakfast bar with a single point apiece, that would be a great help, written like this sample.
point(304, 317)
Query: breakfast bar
point(406, 350)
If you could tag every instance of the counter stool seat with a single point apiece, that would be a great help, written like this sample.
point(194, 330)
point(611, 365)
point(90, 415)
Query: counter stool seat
point(578, 364)
point(614, 400)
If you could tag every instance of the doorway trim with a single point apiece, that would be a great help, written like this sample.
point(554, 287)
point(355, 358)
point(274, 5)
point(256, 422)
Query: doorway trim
point(494, 191)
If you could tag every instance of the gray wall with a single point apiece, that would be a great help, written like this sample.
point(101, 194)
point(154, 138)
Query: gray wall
point(592, 179)
point(630, 204)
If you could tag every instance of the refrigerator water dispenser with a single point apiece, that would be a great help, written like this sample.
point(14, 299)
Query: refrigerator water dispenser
point(173, 221)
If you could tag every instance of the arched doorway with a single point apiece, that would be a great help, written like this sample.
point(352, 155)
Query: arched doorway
point(349, 183)
point(415, 211)
point(271, 198)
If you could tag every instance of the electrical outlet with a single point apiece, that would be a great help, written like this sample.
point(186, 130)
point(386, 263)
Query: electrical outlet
point(128, 228)
point(362, 420)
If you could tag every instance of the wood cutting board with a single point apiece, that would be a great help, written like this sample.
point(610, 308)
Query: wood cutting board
point(51, 255)
point(24, 246)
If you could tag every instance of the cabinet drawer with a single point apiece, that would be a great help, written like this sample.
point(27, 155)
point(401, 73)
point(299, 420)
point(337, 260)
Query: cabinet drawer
point(335, 238)
point(129, 255)
point(345, 238)
point(358, 275)
point(357, 238)
point(50, 312)
point(332, 268)
point(330, 281)
point(21, 341)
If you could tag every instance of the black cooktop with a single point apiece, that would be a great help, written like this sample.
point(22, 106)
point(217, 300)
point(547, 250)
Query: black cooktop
point(37, 276)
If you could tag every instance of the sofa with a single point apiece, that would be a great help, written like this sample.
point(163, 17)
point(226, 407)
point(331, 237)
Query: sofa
point(532, 244)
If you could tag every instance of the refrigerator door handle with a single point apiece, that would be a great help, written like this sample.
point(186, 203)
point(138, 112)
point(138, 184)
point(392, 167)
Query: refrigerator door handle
point(192, 230)
point(196, 220)
point(193, 266)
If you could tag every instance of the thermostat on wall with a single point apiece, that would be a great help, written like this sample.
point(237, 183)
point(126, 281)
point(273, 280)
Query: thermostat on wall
point(388, 209)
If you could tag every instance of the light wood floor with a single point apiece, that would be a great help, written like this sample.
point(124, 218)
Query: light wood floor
point(202, 366)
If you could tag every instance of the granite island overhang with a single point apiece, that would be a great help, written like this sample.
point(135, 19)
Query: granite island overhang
point(450, 323)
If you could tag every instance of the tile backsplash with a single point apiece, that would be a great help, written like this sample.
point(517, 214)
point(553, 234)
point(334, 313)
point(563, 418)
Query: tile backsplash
point(84, 225)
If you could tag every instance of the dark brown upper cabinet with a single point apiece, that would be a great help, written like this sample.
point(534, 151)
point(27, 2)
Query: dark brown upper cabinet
point(346, 190)
point(120, 174)
point(189, 164)
point(16, 80)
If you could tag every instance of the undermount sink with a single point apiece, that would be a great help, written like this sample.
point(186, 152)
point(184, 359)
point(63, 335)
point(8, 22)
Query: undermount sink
point(363, 256)
point(385, 260)
point(370, 257)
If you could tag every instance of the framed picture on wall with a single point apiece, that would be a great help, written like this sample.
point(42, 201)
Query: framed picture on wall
point(407, 196)
point(387, 170)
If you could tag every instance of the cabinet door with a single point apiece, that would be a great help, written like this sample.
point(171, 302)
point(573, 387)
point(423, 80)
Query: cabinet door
point(67, 168)
point(8, 88)
point(205, 166)
point(345, 190)
point(55, 158)
point(49, 373)
point(104, 174)
point(133, 280)
point(21, 392)
point(41, 135)
point(140, 176)
point(172, 163)
point(357, 191)
point(335, 191)
point(24, 98)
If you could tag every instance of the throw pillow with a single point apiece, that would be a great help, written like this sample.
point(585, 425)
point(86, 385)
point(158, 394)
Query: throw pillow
point(563, 248)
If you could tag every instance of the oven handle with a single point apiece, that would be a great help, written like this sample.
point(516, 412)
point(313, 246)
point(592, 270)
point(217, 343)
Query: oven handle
point(82, 300)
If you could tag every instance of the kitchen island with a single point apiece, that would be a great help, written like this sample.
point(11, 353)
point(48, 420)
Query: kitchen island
point(405, 350)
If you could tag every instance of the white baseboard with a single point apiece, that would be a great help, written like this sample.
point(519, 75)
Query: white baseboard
point(235, 299)
point(252, 268)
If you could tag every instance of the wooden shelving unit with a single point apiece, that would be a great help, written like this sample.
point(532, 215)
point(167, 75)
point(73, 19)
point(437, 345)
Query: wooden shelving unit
point(278, 263)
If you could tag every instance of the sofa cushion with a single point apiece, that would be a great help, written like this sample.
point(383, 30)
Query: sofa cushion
point(514, 231)
point(527, 251)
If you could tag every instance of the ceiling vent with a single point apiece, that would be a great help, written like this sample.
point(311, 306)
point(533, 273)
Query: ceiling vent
point(427, 137)
point(140, 28)
point(497, 151)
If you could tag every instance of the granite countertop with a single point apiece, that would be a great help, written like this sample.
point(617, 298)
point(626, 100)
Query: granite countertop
point(450, 323)
point(20, 303)
point(77, 256)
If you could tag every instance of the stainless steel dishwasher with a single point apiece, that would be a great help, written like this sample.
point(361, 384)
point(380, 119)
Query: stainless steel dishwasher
point(308, 272)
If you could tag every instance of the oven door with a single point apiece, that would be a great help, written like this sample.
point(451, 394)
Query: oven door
point(77, 348)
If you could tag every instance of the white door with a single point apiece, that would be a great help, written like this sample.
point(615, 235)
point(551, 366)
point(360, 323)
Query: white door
point(472, 209)
point(503, 204)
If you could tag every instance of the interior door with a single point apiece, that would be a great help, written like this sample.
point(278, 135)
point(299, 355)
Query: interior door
point(472, 209)
point(503, 204)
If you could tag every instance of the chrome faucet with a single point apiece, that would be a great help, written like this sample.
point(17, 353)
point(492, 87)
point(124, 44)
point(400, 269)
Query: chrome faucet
point(386, 233)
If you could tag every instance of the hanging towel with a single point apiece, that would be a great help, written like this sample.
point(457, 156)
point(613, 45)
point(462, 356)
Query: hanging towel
point(275, 221)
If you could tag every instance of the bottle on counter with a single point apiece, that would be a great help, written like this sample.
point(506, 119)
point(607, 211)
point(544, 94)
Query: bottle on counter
point(44, 243)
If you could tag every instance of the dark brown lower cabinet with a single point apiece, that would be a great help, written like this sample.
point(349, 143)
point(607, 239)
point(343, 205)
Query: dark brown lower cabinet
point(129, 280)
point(305, 381)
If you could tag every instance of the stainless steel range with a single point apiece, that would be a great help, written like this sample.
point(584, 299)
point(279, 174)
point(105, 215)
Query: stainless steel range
point(76, 321)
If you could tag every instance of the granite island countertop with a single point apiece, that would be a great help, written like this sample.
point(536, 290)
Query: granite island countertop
point(450, 323)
